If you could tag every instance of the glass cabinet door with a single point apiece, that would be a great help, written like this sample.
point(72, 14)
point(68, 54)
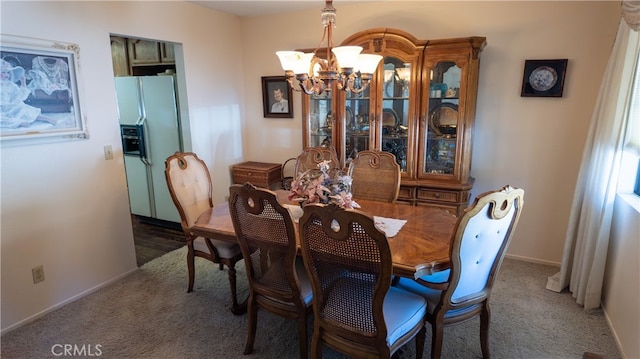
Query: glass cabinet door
point(395, 116)
point(321, 122)
point(357, 123)
point(442, 120)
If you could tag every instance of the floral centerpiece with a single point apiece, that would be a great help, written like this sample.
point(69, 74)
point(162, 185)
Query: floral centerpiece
point(313, 186)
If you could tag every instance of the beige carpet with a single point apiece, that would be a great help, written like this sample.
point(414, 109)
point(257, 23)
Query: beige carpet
point(149, 315)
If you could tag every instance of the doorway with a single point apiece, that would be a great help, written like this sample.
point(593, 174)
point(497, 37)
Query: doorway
point(147, 80)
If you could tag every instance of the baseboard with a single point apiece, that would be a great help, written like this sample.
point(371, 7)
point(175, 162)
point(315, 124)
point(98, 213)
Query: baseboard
point(63, 303)
point(158, 222)
point(532, 260)
point(613, 330)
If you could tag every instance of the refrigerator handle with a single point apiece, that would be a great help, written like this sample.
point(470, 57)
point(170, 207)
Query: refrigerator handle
point(144, 156)
point(142, 140)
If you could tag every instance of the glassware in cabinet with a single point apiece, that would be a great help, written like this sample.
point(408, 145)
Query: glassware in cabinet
point(396, 112)
point(357, 123)
point(443, 119)
point(320, 127)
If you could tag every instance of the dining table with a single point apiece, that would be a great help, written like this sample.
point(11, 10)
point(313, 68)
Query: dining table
point(420, 247)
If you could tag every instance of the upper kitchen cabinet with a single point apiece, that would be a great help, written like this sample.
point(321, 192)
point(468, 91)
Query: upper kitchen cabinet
point(147, 52)
point(420, 107)
point(119, 57)
point(167, 54)
point(143, 52)
point(141, 57)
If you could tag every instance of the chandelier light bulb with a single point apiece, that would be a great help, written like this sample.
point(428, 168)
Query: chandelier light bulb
point(288, 59)
point(302, 63)
point(404, 73)
point(368, 63)
point(347, 56)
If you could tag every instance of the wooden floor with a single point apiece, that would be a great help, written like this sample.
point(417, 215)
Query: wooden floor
point(152, 240)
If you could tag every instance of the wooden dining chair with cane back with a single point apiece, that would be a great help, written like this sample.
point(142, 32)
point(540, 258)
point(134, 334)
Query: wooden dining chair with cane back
point(478, 246)
point(311, 157)
point(278, 282)
point(375, 176)
point(356, 310)
point(191, 189)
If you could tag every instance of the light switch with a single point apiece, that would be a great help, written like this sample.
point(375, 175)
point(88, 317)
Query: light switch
point(108, 152)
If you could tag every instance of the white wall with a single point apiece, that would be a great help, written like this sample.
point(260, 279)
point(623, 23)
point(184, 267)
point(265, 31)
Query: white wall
point(532, 143)
point(621, 282)
point(63, 205)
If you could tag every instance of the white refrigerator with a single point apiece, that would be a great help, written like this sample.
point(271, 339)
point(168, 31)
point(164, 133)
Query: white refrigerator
point(148, 105)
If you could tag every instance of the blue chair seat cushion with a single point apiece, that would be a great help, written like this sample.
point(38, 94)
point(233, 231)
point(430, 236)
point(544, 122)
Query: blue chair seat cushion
point(432, 296)
point(402, 312)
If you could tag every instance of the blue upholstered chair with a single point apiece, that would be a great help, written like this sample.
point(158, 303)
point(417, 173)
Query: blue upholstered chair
point(478, 246)
point(277, 278)
point(356, 311)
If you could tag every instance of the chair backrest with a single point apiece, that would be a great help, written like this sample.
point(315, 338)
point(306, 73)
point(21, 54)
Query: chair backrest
point(312, 156)
point(482, 236)
point(375, 176)
point(349, 265)
point(190, 186)
point(288, 173)
point(267, 239)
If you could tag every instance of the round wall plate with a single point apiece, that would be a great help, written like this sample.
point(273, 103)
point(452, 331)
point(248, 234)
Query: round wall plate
point(543, 78)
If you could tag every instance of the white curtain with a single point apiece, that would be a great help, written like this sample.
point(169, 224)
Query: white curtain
point(587, 237)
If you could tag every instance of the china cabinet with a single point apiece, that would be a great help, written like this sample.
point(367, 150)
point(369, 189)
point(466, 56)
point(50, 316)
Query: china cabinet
point(420, 106)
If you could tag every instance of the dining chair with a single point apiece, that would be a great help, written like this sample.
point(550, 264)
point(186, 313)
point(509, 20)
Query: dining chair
point(191, 189)
point(288, 173)
point(278, 282)
point(479, 243)
point(355, 309)
point(375, 176)
point(312, 156)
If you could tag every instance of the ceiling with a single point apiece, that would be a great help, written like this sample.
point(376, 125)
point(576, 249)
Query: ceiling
point(268, 7)
point(263, 7)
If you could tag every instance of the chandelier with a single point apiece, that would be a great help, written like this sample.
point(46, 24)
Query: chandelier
point(345, 65)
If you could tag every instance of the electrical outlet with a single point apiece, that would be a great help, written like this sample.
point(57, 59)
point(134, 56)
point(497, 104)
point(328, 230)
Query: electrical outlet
point(38, 274)
point(108, 152)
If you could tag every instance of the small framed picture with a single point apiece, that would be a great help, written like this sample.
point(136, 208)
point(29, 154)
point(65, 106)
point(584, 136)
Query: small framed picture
point(276, 97)
point(41, 96)
point(543, 78)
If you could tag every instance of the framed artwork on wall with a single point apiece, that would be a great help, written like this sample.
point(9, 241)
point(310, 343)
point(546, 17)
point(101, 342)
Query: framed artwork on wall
point(40, 90)
point(543, 78)
point(276, 97)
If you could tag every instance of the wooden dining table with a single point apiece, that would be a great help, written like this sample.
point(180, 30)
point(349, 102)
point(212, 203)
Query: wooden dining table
point(420, 247)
